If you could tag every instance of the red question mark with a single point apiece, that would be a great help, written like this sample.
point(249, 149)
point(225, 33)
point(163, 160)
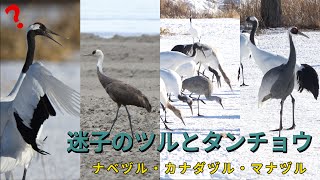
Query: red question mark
point(16, 9)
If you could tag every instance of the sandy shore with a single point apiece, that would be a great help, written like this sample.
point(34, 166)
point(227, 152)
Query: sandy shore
point(134, 60)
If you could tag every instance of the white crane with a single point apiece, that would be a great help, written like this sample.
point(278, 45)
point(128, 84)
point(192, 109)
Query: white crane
point(32, 100)
point(187, 70)
point(172, 60)
point(194, 31)
point(166, 104)
point(306, 76)
point(278, 82)
point(173, 84)
point(244, 53)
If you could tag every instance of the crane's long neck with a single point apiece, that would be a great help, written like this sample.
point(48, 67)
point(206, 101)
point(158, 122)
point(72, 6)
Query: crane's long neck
point(253, 32)
point(292, 56)
point(30, 53)
point(194, 53)
point(100, 63)
point(103, 78)
point(29, 60)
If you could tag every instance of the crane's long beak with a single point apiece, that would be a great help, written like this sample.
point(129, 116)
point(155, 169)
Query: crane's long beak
point(47, 34)
point(302, 34)
point(221, 104)
point(182, 120)
point(190, 105)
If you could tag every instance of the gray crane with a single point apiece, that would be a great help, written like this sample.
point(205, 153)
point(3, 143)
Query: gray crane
point(202, 86)
point(278, 82)
point(120, 92)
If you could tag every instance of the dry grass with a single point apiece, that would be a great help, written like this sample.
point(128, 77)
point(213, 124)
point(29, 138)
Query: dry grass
point(164, 31)
point(301, 13)
point(180, 9)
point(13, 40)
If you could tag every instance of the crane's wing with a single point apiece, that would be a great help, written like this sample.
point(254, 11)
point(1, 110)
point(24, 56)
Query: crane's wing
point(267, 83)
point(39, 94)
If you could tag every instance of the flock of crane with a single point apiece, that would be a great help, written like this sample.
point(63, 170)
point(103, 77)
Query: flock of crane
point(180, 72)
point(281, 74)
point(38, 93)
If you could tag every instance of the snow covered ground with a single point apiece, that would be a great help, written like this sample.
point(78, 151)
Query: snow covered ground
point(222, 34)
point(307, 116)
point(59, 164)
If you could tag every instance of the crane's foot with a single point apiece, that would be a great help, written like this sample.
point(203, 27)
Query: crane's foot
point(277, 129)
point(243, 84)
point(291, 128)
point(200, 115)
point(167, 128)
point(167, 122)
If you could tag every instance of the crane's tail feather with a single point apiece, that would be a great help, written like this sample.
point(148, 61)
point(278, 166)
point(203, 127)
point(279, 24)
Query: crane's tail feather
point(308, 79)
point(146, 104)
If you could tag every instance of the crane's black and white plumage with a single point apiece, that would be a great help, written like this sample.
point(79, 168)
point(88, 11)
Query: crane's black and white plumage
point(306, 76)
point(120, 92)
point(278, 82)
point(172, 59)
point(35, 97)
point(210, 60)
point(202, 86)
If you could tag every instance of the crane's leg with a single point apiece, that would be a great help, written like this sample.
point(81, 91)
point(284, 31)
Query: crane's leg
point(199, 68)
point(165, 113)
point(293, 103)
point(115, 119)
point(129, 120)
point(281, 110)
point(243, 84)
point(165, 126)
point(239, 73)
point(198, 105)
point(24, 174)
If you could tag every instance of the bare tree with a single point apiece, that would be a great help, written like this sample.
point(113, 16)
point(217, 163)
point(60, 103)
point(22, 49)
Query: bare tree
point(271, 13)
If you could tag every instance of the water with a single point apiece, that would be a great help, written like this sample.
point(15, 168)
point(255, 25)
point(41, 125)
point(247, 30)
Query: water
point(125, 18)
